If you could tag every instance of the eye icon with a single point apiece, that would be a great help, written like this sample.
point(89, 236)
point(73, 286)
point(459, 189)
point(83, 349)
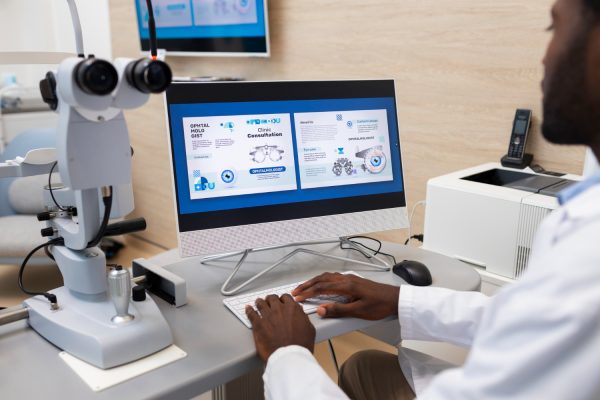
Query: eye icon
point(227, 176)
point(375, 161)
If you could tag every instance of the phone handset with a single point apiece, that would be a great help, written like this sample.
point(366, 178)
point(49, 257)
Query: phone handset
point(516, 156)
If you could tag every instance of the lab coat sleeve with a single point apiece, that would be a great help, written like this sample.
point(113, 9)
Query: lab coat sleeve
point(438, 314)
point(538, 340)
point(292, 373)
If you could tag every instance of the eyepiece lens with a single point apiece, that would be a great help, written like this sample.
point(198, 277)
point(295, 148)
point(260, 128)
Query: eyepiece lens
point(156, 76)
point(96, 76)
point(149, 76)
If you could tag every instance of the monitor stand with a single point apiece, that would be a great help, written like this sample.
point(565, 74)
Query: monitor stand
point(381, 264)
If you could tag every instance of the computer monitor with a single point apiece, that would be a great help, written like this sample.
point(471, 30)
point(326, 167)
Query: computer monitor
point(207, 27)
point(259, 164)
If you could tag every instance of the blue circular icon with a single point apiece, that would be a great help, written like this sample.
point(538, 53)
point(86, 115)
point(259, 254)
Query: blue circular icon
point(243, 6)
point(349, 124)
point(227, 176)
point(376, 161)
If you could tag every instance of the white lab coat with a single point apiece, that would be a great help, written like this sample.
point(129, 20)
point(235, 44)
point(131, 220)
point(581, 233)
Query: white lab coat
point(536, 339)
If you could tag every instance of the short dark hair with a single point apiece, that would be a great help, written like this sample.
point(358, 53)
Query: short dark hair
point(593, 4)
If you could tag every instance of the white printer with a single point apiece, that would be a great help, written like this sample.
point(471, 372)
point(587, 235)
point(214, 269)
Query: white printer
point(487, 215)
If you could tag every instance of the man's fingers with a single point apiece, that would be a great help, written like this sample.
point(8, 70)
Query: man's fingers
point(336, 310)
point(320, 288)
point(303, 286)
point(252, 315)
point(262, 306)
point(273, 300)
point(290, 304)
point(286, 298)
point(321, 278)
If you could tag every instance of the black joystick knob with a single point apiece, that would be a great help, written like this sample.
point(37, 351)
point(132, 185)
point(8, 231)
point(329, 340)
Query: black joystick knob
point(47, 232)
point(138, 293)
point(44, 216)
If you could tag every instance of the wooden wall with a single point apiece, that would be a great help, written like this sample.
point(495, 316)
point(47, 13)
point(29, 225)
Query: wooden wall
point(461, 67)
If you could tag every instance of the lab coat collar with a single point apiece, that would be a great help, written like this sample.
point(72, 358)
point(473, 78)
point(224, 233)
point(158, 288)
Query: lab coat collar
point(575, 190)
point(584, 205)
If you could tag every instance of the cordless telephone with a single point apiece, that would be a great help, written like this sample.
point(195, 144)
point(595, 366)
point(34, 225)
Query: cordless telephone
point(516, 156)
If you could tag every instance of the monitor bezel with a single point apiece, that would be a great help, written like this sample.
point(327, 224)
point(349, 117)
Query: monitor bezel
point(214, 92)
point(145, 43)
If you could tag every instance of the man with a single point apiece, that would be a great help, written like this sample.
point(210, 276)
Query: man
point(536, 339)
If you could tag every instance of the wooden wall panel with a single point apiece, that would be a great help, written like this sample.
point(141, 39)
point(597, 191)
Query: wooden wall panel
point(461, 67)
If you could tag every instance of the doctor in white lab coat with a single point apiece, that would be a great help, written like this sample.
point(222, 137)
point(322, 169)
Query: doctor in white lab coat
point(536, 339)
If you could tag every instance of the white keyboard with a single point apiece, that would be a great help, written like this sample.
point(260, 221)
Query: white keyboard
point(237, 305)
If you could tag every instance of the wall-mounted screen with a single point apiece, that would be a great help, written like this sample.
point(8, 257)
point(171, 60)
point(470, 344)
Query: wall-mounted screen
point(207, 27)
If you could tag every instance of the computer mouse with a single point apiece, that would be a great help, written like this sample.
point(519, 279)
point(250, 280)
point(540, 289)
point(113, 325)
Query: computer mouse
point(413, 272)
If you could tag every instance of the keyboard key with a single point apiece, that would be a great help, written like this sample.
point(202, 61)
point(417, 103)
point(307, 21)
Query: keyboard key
point(237, 305)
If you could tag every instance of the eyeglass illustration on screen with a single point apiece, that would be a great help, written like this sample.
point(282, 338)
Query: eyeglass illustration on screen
point(260, 153)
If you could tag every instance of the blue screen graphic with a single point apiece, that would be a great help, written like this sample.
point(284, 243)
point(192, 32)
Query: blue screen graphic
point(177, 19)
point(247, 154)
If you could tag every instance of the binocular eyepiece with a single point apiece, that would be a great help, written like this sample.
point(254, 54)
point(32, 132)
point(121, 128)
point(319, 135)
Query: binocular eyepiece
point(99, 77)
point(96, 76)
point(149, 76)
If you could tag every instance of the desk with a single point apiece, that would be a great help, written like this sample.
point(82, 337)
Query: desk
point(220, 348)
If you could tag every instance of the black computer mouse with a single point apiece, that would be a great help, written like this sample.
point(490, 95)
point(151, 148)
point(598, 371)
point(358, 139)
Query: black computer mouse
point(413, 272)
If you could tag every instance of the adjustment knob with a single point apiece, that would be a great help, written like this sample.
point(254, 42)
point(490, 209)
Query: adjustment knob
point(119, 290)
point(47, 232)
point(138, 293)
point(44, 216)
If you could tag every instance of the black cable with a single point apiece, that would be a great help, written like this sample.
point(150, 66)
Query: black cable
point(375, 252)
point(332, 351)
point(51, 298)
point(151, 29)
point(107, 208)
point(48, 253)
point(541, 170)
point(419, 237)
point(107, 200)
point(351, 239)
point(50, 187)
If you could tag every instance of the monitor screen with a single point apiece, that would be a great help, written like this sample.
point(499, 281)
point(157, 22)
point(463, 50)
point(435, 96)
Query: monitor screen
point(207, 27)
point(258, 154)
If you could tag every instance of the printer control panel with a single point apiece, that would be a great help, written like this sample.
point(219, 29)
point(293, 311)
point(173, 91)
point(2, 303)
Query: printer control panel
point(533, 183)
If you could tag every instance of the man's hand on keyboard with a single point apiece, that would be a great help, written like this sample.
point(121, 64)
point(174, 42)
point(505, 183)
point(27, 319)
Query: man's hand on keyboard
point(281, 322)
point(366, 299)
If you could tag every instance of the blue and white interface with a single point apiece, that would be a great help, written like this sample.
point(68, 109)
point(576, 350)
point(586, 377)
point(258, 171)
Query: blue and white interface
point(203, 18)
point(247, 154)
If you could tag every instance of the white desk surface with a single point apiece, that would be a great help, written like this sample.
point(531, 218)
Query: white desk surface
point(220, 348)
